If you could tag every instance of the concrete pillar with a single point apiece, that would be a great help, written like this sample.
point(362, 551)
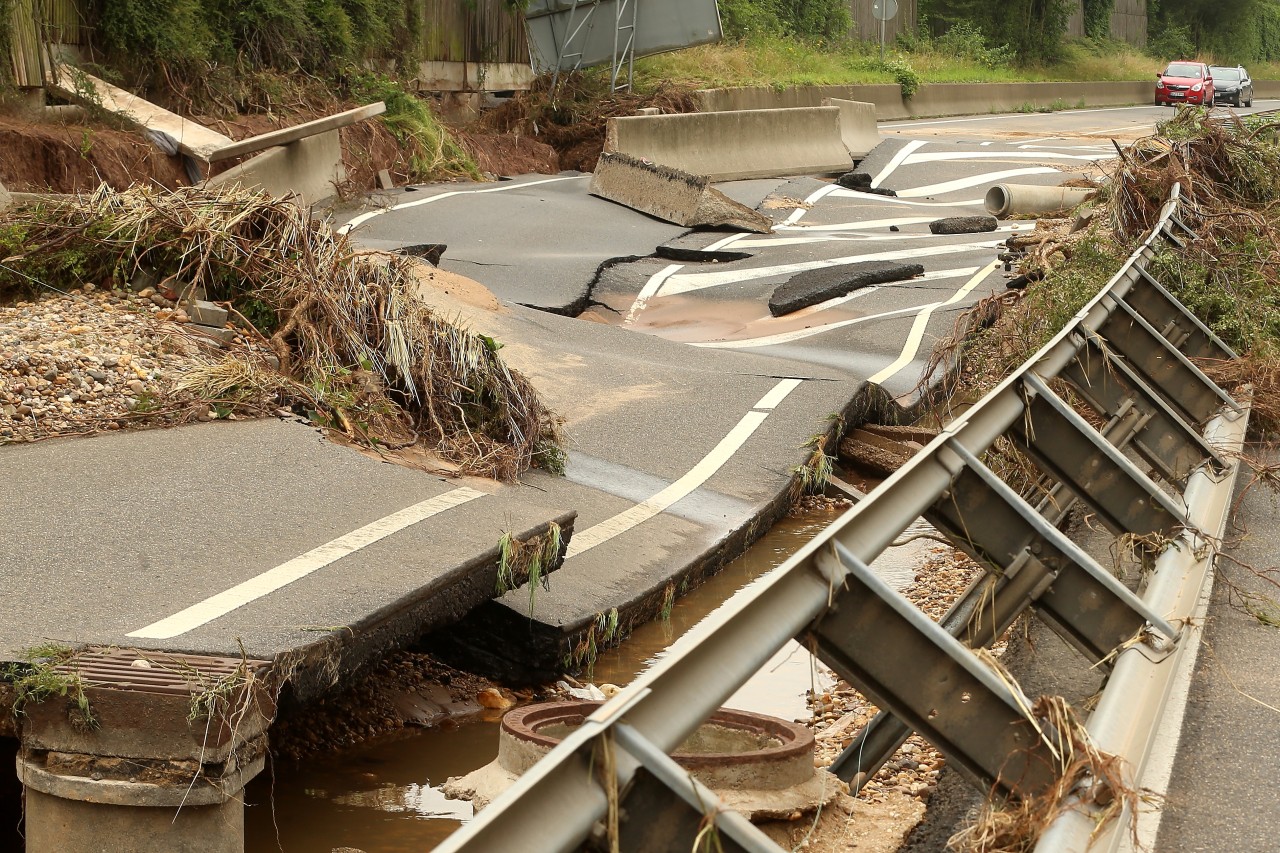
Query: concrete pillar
point(154, 765)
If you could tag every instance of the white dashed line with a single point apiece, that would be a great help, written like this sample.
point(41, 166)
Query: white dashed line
point(912, 345)
point(975, 180)
point(418, 202)
point(697, 475)
point(687, 282)
point(299, 567)
point(903, 153)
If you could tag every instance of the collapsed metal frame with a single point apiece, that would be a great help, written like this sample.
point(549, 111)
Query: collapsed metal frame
point(624, 41)
point(1129, 355)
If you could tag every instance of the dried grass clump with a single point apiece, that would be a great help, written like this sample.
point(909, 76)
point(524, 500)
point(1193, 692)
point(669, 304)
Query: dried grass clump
point(360, 350)
point(1085, 778)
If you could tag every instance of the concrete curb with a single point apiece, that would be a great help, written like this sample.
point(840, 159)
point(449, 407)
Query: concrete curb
point(738, 144)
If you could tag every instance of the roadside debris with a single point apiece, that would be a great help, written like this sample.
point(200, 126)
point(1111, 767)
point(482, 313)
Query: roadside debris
point(963, 225)
point(672, 195)
point(814, 286)
point(1005, 200)
point(358, 352)
point(861, 182)
point(882, 449)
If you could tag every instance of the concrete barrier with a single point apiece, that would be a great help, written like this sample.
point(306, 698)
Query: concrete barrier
point(1266, 89)
point(672, 195)
point(944, 99)
point(312, 168)
point(887, 98)
point(857, 125)
point(737, 144)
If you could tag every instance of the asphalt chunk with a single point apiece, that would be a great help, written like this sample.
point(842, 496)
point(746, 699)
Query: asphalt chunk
point(963, 225)
point(814, 286)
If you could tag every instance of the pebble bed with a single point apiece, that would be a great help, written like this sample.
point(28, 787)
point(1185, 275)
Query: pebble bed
point(838, 714)
point(94, 360)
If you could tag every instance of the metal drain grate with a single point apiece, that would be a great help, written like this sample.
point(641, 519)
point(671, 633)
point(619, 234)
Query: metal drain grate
point(160, 673)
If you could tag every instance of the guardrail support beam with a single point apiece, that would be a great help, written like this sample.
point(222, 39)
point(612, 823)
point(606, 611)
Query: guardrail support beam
point(906, 663)
point(1167, 442)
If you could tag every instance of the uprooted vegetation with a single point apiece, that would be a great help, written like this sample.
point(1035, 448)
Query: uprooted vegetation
point(570, 113)
point(1229, 172)
point(358, 351)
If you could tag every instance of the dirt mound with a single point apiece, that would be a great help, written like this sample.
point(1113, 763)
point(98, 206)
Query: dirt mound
point(572, 117)
point(69, 158)
point(503, 154)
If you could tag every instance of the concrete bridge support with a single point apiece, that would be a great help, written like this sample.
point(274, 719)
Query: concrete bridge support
point(144, 757)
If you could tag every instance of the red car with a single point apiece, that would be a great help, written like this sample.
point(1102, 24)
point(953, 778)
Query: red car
point(1184, 83)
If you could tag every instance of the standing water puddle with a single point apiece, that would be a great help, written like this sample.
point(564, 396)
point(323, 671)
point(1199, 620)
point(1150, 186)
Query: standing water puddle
point(383, 796)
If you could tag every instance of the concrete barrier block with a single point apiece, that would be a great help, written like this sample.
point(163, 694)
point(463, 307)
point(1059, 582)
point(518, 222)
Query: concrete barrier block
point(311, 168)
point(671, 194)
point(736, 145)
point(858, 126)
point(887, 98)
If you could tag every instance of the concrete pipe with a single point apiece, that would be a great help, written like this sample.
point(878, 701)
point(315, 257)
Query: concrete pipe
point(1004, 200)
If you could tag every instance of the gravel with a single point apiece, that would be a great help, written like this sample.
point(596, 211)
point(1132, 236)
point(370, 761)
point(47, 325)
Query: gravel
point(94, 360)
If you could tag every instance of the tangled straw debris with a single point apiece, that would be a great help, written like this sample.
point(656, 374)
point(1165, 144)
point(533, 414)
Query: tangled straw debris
point(362, 353)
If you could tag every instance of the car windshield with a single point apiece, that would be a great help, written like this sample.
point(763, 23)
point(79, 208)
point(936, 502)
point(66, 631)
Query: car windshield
point(1226, 74)
point(1183, 69)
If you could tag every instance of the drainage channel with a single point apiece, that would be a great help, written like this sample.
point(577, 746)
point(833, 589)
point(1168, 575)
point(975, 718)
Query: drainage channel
point(384, 796)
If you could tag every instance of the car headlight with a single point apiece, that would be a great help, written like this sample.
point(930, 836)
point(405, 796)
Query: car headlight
point(1195, 87)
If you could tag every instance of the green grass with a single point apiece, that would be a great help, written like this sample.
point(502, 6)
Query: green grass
point(780, 62)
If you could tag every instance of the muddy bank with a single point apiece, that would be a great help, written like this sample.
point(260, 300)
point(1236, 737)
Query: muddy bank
point(37, 155)
point(404, 689)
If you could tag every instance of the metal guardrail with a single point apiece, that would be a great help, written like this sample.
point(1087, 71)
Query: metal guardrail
point(1128, 354)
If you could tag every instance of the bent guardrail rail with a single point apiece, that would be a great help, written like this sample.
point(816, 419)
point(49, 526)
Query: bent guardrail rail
point(1128, 354)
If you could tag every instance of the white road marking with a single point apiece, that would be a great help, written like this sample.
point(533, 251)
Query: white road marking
point(696, 476)
point(650, 289)
point(687, 282)
point(418, 202)
point(850, 226)
point(939, 156)
point(299, 567)
point(1068, 147)
point(886, 199)
point(912, 344)
point(810, 200)
point(1105, 131)
point(903, 153)
point(975, 180)
point(936, 275)
point(801, 334)
point(853, 236)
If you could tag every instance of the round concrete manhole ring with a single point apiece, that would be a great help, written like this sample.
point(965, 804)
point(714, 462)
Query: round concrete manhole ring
point(732, 749)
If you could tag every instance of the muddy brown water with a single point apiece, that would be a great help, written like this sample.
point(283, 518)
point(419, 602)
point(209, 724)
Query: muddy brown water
point(383, 796)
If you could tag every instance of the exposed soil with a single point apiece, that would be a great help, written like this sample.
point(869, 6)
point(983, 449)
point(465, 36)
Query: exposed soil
point(44, 156)
point(403, 689)
point(572, 119)
point(850, 824)
point(509, 154)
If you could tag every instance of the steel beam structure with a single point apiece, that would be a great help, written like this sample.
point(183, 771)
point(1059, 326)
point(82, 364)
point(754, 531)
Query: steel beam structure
point(1133, 362)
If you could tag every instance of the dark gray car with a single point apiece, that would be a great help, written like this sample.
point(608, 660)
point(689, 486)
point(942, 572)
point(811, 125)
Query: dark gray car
point(1231, 85)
